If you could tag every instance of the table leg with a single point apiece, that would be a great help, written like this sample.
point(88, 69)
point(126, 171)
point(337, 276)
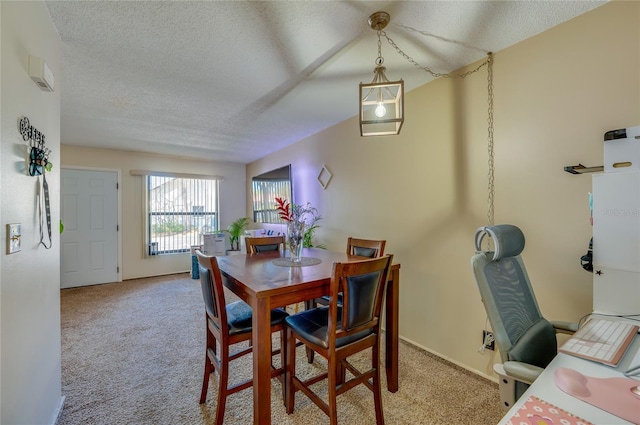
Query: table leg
point(391, 329)
point(261, 361)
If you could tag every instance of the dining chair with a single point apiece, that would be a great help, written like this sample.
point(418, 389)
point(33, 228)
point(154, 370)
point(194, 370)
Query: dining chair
point(365, 247)
point(361, 247)
point(264, 244)
point(227, 325)
point(336, 332)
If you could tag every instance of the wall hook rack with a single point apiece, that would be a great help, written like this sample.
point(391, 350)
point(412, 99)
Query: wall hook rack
point(581, 169)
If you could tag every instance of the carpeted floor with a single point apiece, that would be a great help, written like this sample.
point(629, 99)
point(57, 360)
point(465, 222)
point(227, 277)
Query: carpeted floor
point(133, 353)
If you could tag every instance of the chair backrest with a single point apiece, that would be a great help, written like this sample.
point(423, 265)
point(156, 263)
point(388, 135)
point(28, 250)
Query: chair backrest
point(520, 331)
point(365, 247)
point(264, 244)
point(362, 285)
point(212, 290)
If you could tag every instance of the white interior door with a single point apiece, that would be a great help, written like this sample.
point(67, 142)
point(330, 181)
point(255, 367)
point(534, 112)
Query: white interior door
point(89, 242)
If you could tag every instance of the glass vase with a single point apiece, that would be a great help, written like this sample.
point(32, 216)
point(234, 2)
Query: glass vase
point(295, 234)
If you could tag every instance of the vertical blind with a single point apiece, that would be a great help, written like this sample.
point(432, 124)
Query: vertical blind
point(180, 210)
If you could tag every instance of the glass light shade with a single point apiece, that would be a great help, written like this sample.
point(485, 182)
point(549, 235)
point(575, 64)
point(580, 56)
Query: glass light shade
point(381, 107)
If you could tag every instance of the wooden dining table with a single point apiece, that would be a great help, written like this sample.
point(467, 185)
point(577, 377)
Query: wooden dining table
point(264, 285)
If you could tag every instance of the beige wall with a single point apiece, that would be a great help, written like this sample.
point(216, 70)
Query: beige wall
point(425, 191)
point(30, 367)
point(134, 263)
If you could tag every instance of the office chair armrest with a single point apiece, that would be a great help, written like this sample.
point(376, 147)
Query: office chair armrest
point(523, 372)
point(565, 327)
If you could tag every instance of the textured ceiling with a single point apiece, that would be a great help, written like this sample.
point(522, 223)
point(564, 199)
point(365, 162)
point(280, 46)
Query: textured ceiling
point(238, 80)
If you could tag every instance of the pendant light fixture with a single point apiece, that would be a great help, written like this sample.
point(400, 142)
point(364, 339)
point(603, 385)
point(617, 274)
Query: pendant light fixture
point(381, 101)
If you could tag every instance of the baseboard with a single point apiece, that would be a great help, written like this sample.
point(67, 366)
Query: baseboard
point(450, 360)
point(58, 411)
point(159, 275)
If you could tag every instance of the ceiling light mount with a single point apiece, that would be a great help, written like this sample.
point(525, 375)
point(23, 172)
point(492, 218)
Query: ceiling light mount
point(379, 20)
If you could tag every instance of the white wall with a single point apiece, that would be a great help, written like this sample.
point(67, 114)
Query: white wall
point(425, 191)
point(134, 263)
point(30, 279)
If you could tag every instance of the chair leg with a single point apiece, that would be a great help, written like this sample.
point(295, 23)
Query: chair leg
point(342, 373)
point(310, 355)
point(208, 365)
point(332, 383)
point(377, 392)
point(222, 385)
point(283, 363)
point(290, 372)
point(208, 368)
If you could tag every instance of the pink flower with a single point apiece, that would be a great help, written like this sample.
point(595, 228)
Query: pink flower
point(284, 209)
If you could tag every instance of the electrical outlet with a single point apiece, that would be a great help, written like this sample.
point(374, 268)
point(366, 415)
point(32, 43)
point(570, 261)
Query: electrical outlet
point(488, 340)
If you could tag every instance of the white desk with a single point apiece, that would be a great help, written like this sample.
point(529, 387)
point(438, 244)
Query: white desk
point(545, 388)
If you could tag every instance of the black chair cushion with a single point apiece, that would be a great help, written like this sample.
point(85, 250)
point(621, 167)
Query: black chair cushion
point(267, 248)
point(364, 252)
point(360, 251)
point(239, 316)
point(312, 325)
point(362, 290)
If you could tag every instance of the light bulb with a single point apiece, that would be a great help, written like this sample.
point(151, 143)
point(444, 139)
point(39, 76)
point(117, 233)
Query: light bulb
point(380, 110)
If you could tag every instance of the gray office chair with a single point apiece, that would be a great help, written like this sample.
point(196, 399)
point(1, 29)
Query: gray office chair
point(526, 340)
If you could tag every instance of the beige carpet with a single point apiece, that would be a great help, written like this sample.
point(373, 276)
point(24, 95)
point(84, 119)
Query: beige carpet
point(133, 353)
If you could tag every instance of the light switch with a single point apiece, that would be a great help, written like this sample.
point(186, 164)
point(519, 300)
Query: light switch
point(14, 233)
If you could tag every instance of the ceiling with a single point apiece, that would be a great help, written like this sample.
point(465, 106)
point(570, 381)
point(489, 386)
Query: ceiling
point(238, 80)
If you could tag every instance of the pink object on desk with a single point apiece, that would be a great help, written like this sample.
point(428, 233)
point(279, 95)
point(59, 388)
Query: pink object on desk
point(613, 395)
point(536, 411)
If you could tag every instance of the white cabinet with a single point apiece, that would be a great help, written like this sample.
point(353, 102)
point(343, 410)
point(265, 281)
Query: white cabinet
point(616, 242)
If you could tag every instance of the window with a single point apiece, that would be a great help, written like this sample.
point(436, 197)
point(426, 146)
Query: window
point(266, 187)
point(179, 211)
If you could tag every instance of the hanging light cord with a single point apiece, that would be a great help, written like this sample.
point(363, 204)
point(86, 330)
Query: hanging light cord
point(379, 59)
point(426, 68)
point(491, 180)
point(489, 63)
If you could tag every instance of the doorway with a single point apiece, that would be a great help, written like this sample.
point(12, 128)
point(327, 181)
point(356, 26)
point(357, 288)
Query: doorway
point(89, 212)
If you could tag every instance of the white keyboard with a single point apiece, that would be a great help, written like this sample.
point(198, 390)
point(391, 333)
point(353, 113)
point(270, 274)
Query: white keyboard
point(601, 340)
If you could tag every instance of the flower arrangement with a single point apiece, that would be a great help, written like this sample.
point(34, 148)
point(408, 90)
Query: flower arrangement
point(290, 212)
point(299, 229)
point(293, 212)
